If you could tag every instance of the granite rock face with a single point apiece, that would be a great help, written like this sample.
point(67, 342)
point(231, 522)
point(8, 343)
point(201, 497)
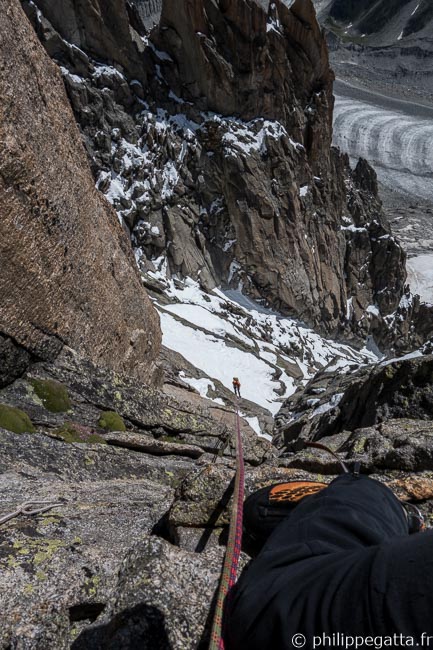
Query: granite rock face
point(131, 554)
point(248, 59)
point(105, 568)
point(149, 11)
point(67, 272)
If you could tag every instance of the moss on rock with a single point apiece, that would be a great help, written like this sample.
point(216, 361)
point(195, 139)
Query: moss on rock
point(71, 432)
point(169, 439)
point(54, 396)
point(15, 420)
point(111, 421)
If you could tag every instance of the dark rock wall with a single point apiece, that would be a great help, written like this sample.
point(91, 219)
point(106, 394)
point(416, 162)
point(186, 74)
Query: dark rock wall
point(271, 61)
point(370, 15)
point(67, 274)
point(420, 20)
point(246, 59)
point(335, 402)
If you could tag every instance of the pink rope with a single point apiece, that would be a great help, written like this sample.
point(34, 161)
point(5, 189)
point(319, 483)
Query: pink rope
point(234, 545)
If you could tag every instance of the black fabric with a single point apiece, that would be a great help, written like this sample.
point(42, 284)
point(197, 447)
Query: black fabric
point(341, 562)
point(261, 516)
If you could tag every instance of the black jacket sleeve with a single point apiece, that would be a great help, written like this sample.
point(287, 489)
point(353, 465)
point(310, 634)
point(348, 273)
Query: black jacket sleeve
point(342, 562)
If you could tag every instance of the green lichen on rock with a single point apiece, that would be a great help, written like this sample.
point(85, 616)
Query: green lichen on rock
point(37, 551)
point(54, 396)
point(390, 372)
point(15, 420)
point(71, 432)
point(169, 439)
point(91, 586)
point(359, 446)
point(111, 421)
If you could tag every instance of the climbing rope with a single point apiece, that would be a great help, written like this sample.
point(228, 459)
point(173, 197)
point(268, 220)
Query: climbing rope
point(30, 508)
point(233, 550)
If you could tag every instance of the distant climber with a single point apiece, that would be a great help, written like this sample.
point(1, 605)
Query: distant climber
point(237, 386)
point(340, 565)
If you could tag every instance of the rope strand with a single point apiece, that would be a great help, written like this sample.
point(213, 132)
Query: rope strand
point(28, 508)
point(234, 544)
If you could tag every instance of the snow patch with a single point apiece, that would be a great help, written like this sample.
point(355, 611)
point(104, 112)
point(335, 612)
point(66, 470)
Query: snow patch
point(227, 337)
point(72, 77)
point(171, 178)
point(420, 276)
point(372, 309)
point(353, 228)
point(217, 359)
point(324, 408)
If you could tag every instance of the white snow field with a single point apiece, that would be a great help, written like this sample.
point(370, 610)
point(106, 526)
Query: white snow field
point(420, 276)
point(224, 338)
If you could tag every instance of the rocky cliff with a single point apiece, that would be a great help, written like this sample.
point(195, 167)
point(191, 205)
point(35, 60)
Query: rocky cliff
point(104, 29)
point(257, 59)
point(149, 11)
point(224, 167)
point(67, 273)
point(368, 17)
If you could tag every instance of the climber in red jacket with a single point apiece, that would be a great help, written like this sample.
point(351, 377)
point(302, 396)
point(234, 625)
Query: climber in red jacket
point(237, 386)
